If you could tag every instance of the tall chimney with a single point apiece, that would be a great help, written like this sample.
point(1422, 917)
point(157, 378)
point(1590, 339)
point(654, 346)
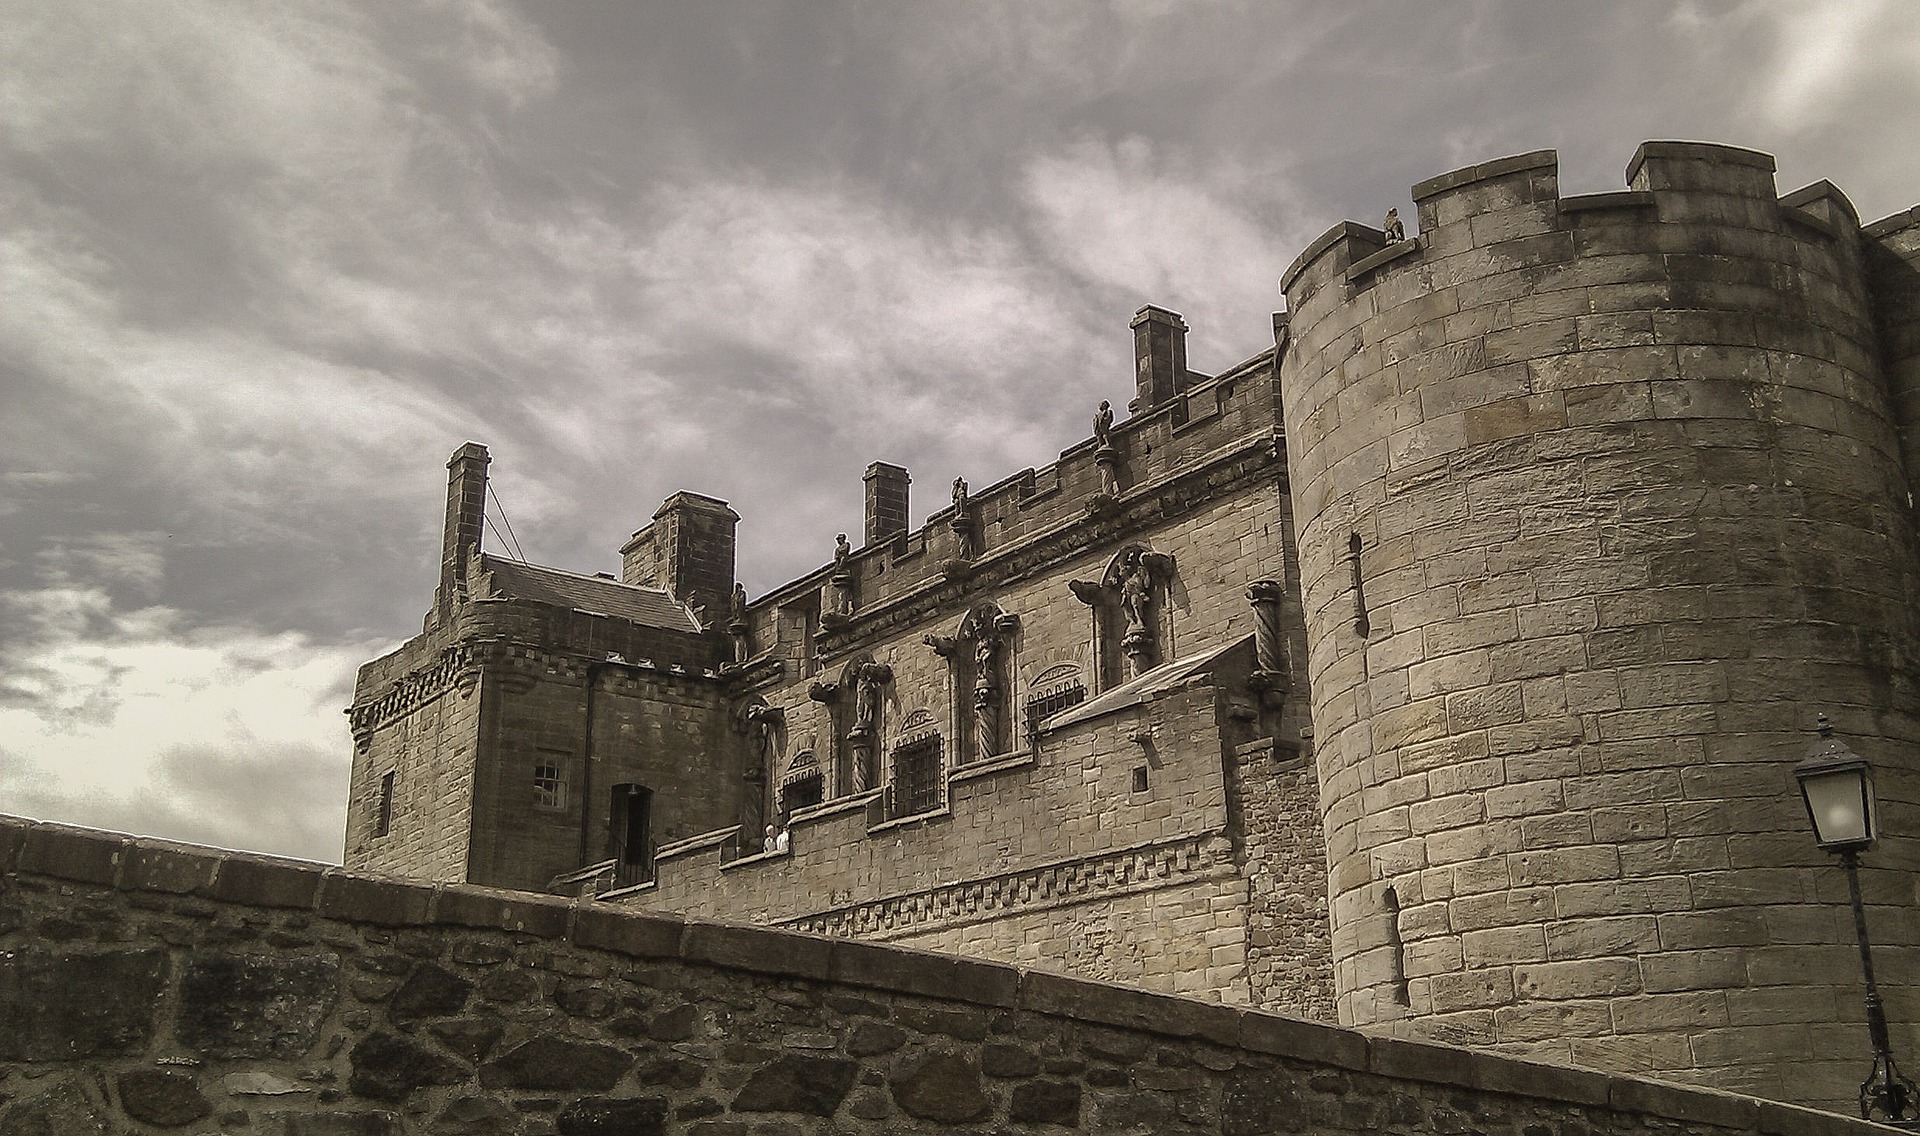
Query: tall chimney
point(687, 550)
point(466, 515)
point(886, 501)
point(1160, 356)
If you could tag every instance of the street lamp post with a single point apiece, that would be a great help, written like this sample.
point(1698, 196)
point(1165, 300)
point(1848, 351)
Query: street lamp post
point(1837, 786)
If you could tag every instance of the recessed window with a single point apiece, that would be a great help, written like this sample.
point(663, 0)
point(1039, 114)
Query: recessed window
point(383, 813)
point(1139, 778)
point(916, 776)
point(549, 791)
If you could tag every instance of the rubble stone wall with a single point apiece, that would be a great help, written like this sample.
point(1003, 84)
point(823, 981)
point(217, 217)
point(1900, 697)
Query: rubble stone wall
point(149, 987)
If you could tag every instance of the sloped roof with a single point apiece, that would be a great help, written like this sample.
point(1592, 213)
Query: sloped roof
point(649, 607)
point(1154, 683)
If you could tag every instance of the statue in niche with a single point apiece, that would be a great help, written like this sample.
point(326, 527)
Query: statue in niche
point(868, 680)
point(1136, 590)
point(1392, 227)
point(986, 709)
point(1103, 425)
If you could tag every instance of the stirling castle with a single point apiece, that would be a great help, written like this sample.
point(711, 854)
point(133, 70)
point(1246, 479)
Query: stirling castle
point(1440, 670)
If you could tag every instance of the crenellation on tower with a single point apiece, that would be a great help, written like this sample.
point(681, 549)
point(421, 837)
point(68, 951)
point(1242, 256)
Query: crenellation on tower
point(1618, 480)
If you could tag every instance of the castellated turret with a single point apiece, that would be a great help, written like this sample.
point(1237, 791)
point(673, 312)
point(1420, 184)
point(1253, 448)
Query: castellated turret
point(1600, 500)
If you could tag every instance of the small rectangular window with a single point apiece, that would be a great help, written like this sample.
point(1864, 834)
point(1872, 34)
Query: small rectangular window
point(383, 816)
point(549, 791)
point(1140, 779)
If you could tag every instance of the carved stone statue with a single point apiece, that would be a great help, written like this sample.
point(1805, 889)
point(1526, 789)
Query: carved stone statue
point(737, 626)
point(1136, 590)
point(962, 521)
point(866, 696)
point(1103, 425)
point(737, 608)
point(1392, 227)
point(842, 556)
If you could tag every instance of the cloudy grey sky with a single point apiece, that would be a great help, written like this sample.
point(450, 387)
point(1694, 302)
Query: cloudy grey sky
point(267, 263)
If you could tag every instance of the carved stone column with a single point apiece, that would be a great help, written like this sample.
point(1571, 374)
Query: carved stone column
point(1269, 642)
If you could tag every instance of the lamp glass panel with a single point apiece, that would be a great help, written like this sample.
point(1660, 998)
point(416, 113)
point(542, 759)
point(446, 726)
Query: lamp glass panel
point(1837, 802)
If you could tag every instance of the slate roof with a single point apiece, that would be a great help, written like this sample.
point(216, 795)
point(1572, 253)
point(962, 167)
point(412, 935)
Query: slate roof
point(649, 607)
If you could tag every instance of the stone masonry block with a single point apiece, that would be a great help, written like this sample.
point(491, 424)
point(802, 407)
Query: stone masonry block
point(1600, 937)
point(82, 855)
point(1693, 970)
point(1700, 1106)
point(1304, 1040)
point(364, 899)
point(463, 906)
point(176, 870)
point(1584, 979)
point(1047, 993)
point(265, 882)
point(935, 976)
point(757, 949)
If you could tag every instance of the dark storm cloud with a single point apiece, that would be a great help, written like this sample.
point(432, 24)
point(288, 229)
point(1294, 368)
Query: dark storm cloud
point(266, 265)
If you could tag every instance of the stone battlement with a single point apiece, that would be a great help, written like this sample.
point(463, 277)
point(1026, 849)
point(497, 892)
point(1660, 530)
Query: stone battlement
point(169, 984)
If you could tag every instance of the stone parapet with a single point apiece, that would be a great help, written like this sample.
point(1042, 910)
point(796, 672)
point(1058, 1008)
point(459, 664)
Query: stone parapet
point(172, 986)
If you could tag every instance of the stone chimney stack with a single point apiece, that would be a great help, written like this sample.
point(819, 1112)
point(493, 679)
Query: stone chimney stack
point(466, 516)
point(687, 550)
point(1160, 356)
point(886, 501)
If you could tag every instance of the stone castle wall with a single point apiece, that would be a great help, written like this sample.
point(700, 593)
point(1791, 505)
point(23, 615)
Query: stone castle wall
point(463, 714)
point(148, 986)
point(1048, 853)
point(1600, 500)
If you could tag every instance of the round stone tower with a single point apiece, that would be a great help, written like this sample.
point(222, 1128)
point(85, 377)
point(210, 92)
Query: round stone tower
point(1600, 502)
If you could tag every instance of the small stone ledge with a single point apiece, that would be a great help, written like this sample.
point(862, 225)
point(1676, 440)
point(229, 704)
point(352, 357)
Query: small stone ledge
point(372, 899)
point(1499, 167)
point(974, 770)
point(1618, 199)
point(1893, 223)
point(1309, 1041)
point(1392, 252)
point(1342, 231)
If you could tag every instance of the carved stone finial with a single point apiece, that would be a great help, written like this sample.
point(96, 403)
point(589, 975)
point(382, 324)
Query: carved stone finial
point(1392, 227)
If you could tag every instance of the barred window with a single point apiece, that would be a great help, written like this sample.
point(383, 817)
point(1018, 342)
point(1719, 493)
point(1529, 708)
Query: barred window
point(549, 790)
point(801, 792)
point(1050, 701)
point(916, 775)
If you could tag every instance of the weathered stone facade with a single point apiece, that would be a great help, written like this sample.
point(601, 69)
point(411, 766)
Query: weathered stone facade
point(155, 987)
point(1600, 500)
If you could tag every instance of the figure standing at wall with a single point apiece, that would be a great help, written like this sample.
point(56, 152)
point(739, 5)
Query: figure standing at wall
point(986, 696)
point(1392, 226)
point(962, 523)
point(737, 623)
point(1103, 425)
